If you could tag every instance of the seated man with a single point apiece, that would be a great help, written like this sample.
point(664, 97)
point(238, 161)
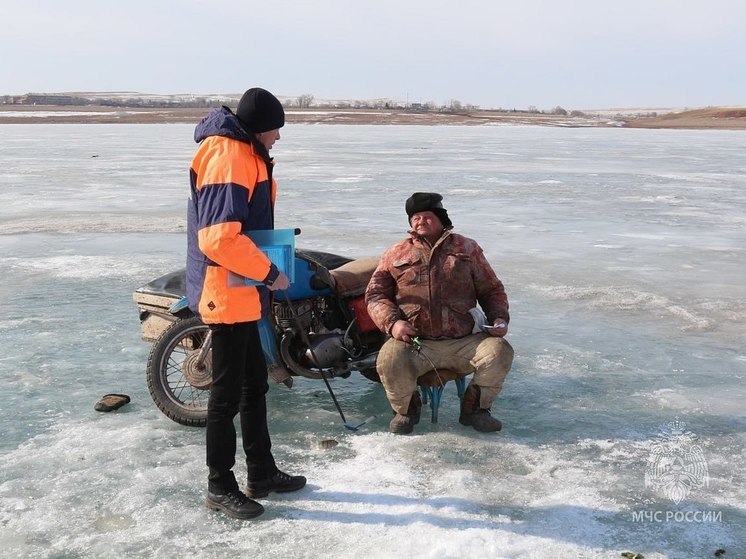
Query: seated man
point(424, 287)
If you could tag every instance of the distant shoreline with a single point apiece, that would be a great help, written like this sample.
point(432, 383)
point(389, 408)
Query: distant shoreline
point(723, 118)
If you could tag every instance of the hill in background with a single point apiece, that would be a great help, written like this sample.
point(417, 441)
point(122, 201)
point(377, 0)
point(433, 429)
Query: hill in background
point(104, 107)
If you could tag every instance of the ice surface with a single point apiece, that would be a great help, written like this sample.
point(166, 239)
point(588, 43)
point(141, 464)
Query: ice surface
point(623, 255)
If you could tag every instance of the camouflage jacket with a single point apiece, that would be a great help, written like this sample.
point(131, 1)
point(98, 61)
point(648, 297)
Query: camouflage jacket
point(434, 288)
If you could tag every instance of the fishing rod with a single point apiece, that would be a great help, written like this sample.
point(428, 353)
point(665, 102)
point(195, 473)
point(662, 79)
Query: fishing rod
point(307, 341)
point(417, 346)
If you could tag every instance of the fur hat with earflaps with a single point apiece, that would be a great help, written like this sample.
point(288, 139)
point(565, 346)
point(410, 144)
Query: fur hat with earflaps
point(427, 202)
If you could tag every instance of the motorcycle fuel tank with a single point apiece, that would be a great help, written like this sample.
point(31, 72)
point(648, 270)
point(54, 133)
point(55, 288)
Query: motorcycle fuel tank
point(301, 287)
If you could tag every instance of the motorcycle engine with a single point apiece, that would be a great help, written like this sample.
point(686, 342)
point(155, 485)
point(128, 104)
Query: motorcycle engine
point(328, 348)
point(324, 327)
point(301, 312)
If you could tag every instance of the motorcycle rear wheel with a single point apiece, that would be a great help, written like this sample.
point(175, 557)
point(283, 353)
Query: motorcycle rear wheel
point(167, 383)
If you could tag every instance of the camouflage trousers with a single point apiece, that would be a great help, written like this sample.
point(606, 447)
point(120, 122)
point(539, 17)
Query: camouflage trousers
point(399, 365)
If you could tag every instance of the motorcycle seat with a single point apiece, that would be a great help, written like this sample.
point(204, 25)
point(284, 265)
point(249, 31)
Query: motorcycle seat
point(351, 279)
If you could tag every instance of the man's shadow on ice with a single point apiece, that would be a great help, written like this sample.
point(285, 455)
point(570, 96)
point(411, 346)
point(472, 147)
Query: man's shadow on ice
point(574, 524)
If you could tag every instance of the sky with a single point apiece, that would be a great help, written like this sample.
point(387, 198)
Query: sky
point(577, 54)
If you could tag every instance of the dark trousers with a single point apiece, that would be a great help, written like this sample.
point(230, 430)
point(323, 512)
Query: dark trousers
point(239, 385)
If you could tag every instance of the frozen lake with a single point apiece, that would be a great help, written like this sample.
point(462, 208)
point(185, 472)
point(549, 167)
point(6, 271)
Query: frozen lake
point(623, 253)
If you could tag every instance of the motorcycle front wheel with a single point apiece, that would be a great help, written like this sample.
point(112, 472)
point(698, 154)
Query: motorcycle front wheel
point(178, 383)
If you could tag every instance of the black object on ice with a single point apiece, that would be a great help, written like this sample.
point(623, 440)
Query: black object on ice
point(111, 402)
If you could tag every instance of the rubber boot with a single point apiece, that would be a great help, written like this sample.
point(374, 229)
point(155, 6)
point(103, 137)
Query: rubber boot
point(474, 416)
point(404, 424)
point(280, 375)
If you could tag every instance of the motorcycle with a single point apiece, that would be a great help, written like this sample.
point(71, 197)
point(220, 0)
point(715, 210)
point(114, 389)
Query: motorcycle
point(318, 328)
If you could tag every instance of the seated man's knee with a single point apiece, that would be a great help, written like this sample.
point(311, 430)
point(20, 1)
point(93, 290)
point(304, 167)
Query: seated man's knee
point(496, 352)
point(393, 355)
point(506, 350)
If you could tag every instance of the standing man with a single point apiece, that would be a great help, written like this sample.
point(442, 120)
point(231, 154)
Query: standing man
point(233, 192)
point(426, 286)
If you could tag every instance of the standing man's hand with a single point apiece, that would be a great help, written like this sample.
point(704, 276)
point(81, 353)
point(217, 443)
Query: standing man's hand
point(403, 331)
point(281, 283)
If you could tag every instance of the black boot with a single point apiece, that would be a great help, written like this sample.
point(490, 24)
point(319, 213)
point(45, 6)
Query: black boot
point(473, 415)
point(280, 482)
point(235, 504)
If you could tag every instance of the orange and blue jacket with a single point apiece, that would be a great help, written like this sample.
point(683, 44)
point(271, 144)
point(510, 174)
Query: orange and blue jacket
point(232, 192)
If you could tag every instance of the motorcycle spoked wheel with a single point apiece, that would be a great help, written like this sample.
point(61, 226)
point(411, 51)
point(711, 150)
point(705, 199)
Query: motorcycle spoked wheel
point(169, 387)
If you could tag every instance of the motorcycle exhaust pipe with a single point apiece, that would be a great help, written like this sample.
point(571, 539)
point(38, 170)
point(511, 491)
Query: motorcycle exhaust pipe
point(368, 362)
point(299, 369)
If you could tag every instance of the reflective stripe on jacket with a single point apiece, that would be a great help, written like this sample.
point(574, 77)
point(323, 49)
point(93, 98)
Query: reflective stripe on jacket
point(232, 192)
point(434, 288)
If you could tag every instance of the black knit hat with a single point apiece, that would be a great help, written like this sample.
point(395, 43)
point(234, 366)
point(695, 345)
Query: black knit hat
point(260, 111)
point(427, 202)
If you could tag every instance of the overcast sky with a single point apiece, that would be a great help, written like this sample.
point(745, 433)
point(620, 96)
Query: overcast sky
point(578, 54)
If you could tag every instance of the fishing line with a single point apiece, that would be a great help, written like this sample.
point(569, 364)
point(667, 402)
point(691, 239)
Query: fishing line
point(307, 341)
point(417, 345)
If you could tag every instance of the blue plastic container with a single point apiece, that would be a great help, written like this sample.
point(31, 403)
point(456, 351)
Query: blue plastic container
point(279, 246)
